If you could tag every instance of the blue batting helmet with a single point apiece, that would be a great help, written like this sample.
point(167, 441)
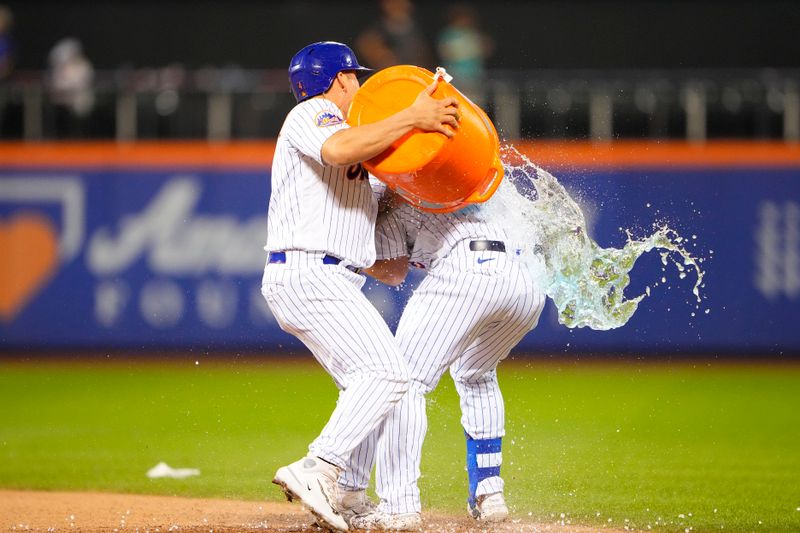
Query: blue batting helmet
point(313, 69)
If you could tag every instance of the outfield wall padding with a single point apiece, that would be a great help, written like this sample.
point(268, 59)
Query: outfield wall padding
point(160, 245)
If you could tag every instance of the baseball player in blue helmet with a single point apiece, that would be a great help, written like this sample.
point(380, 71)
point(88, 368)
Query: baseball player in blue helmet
point(320, 234)
point(313, 69)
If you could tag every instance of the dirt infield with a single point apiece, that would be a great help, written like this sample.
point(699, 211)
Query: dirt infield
point(89, 511)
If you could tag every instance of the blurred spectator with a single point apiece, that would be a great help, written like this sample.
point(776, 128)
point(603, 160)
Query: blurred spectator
point(394, 39)
point(463, 49)
point(71, 87)
point(7, 53)
point(6, 43)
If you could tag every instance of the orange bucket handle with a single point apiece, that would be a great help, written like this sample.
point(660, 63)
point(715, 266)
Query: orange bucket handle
point(493, 178)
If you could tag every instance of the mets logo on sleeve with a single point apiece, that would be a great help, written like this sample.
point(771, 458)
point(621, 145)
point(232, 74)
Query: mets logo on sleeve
point(326, 118)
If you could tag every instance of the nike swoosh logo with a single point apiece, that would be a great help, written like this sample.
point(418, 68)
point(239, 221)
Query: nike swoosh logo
point(301, 483)
point(482, 261)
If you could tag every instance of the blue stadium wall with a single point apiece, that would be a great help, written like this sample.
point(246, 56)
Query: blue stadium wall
point(148, 247)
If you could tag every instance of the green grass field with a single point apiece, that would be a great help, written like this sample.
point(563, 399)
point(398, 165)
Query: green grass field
point(667, 446)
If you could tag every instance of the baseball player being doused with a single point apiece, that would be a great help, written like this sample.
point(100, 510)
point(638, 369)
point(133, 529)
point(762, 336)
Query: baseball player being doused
point(475, 304)
point(320, 234)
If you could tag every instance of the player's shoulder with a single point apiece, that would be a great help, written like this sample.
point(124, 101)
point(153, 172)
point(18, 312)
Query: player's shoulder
point(317, 112)
point(409, 215)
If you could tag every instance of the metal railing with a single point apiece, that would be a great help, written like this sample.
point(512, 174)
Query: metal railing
point(230, 103)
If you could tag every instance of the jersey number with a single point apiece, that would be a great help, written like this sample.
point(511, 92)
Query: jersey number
point(356, 171)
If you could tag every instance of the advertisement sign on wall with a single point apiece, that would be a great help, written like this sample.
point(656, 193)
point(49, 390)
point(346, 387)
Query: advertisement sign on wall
point(132, 255)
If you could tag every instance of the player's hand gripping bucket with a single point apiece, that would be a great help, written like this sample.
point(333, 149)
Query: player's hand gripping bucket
point(427, 169)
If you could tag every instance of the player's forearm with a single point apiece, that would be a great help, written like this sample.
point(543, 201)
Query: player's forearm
point(357, 144)
point(389, 271)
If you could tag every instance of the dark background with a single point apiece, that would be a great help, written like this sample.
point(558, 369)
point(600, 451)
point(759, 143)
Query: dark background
point(534, 34)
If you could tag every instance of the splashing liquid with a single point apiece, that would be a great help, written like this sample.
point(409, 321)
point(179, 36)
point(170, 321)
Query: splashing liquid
point(585, 281)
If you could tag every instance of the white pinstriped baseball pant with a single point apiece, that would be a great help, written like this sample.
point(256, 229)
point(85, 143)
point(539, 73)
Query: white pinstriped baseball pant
point(323, 306)
point(467, 316)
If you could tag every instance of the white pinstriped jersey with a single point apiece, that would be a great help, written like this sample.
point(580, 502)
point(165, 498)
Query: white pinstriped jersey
point(314, 206)
point(426, 237)
point(314, 210)
point(467, 314)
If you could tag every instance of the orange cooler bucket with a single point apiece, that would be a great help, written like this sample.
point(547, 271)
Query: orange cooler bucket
point(427, 169)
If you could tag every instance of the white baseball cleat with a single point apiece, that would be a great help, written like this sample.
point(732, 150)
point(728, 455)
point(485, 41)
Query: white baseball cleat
point(379, 520)
point(352, 503)
point(313, 481)
point(489, 508)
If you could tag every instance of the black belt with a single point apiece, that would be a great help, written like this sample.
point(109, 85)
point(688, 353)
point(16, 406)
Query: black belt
point(327, 259)
point(483, 246)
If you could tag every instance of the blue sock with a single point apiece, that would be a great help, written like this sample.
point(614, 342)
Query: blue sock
point(476, 474)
